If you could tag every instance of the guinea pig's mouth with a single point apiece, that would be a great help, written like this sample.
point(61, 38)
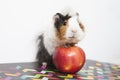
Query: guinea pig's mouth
point(72, 37)
point(73, 40)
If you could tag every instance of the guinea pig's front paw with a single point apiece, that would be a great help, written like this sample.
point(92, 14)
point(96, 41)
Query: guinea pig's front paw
point(44, 66)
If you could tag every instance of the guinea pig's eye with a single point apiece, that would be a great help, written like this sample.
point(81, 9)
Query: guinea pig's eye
point(65, 22)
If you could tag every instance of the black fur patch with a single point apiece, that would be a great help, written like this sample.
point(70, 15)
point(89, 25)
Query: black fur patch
point(42, 54)
point(61, 20)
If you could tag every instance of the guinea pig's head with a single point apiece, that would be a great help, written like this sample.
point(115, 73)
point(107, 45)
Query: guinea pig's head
point(68, 28)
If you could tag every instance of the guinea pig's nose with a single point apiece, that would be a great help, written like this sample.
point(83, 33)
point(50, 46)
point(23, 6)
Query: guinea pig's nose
point(73, 31)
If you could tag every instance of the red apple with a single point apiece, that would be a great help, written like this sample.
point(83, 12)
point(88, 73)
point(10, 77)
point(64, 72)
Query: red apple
point(69, 59)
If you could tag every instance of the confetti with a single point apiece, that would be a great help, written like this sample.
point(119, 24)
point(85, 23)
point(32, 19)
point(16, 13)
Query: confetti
point(50, 74)
point(35, 79)
point(90, 74)
point(10, 74)
point(37, 76)
point(48, 71)
point(43, 72)
point(70, 76)
point(98, 64)
point(24, 77)
point(91, 67)
point(26, 70)
point(18, 67)
point(44, 78)
point(91, 71)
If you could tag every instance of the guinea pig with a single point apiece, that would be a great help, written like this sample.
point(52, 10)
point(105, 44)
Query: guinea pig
point(65, 30)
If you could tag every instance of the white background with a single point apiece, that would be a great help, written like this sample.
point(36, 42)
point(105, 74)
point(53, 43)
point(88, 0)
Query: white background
point(21, 21)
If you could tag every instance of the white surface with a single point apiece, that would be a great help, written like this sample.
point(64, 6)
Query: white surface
point(21, 21)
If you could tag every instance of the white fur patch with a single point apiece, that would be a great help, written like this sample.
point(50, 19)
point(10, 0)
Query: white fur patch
point(49, 38)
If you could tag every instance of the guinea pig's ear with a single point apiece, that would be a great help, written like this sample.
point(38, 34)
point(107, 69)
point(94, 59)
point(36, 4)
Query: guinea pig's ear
point(56, 17)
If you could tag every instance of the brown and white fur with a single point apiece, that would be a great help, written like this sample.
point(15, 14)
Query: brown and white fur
point(64, 30)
